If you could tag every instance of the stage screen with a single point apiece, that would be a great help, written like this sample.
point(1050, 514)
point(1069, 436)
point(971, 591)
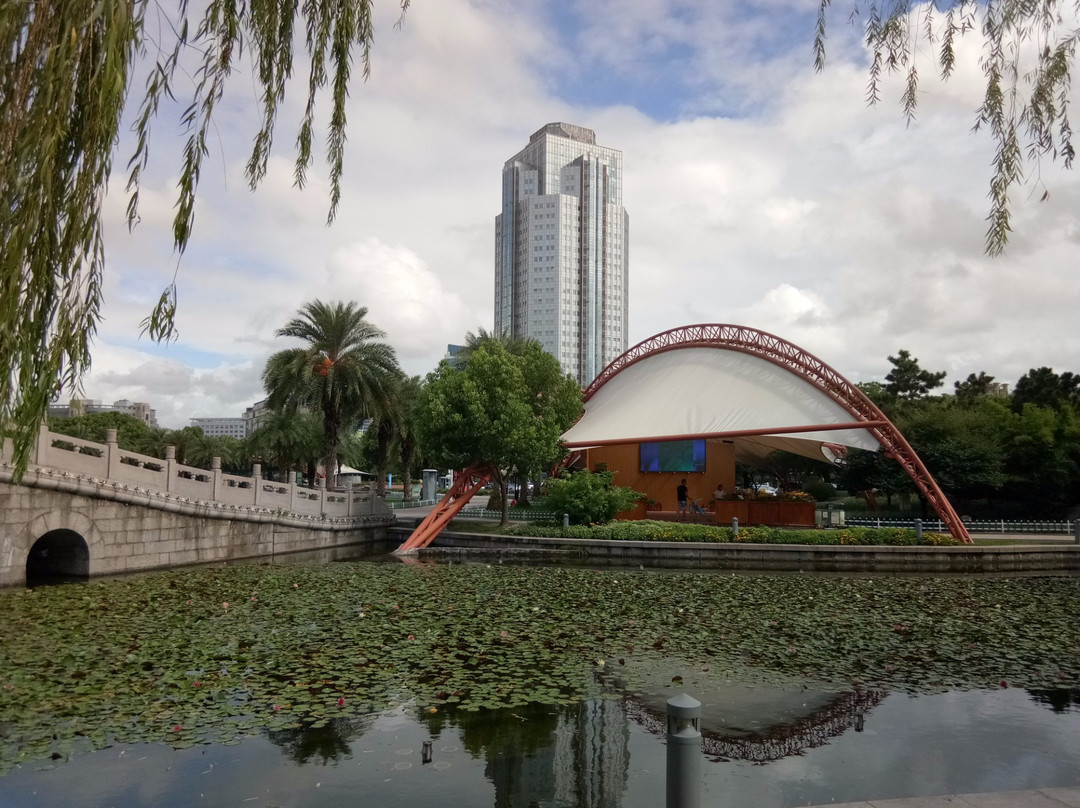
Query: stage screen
point(673, 455)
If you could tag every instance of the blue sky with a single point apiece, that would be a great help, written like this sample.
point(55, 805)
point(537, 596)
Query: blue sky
point(759, 193)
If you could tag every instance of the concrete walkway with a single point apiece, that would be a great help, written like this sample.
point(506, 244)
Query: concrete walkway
point(1043, 798)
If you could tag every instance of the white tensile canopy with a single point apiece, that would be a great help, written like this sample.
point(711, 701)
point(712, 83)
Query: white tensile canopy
point(720, 394)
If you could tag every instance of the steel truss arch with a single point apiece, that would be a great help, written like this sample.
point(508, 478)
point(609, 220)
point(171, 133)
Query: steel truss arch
point(811, 370)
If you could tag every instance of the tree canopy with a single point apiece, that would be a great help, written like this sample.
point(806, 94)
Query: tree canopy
point(65, 78)
point(501, 410)
point(908, 380)
point(1027, 57)
point(342, 371)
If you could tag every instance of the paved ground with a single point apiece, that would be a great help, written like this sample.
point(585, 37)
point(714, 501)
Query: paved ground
point(1043, 798)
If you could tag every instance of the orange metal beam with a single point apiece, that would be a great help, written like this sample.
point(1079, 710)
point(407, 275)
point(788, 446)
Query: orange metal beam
point(465, 486)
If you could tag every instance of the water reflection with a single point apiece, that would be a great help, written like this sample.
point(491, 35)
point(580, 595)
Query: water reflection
point(547, 756)
point(1060, 701)
point(329, 742)
point(605, 753)
point(794, 736)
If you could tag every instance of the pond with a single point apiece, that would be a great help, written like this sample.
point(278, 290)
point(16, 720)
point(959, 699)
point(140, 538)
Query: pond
point(319, 685)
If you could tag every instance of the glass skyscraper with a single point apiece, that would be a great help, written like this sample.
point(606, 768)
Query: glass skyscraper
point(561, 257)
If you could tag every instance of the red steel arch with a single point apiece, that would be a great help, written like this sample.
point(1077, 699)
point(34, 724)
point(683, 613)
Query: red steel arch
point(810, 369)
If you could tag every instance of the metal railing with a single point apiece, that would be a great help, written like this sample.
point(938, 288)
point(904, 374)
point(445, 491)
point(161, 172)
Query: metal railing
point(516, 515)
point(1064, 527)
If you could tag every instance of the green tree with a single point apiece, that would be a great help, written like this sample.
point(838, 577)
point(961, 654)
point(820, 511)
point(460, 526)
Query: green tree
point(342, 372)
point(1027, 54)
point(131, 432)
point(907, 381)
point(973, 388)
point(288, 441)
point(407, 439)
point(490, 413)
point(65, 77)
point(1045, 388)
point(1042, 450)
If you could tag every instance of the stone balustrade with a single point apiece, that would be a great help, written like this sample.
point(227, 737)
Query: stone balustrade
point(107, 463)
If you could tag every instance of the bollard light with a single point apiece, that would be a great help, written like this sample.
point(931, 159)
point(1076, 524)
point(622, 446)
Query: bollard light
point(566, 520)
point(683, 752)
point(734, 526)
point(918, 531)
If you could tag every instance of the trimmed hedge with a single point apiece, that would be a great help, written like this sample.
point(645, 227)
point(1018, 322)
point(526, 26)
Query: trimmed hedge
point(650, 530)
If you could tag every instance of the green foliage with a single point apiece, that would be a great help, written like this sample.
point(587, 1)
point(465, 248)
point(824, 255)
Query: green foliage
point(820, 490)
point(907, 381)
point(589, 497)
point(504, 411)
point(652, 530)
point(972, 388)
point(342, 372)
point(131, 432)
point(1045, 388)
point(1026, 52)
point(65, 76)
point(288, 441)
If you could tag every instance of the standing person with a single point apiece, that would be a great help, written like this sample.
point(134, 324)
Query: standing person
point(680, 496)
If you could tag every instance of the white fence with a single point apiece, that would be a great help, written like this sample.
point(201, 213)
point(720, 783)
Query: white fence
point(107, 462)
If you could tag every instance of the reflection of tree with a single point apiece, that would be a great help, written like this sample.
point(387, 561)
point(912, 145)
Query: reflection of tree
point(487, 733)
point(1059, 700)
point(780, 740)
point(329, 742)
point(540, 755)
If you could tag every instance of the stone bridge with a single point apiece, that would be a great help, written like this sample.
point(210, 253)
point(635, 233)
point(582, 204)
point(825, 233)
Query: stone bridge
point(85, 509)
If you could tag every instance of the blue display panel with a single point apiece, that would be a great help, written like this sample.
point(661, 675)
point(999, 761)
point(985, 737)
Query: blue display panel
point(673, 455)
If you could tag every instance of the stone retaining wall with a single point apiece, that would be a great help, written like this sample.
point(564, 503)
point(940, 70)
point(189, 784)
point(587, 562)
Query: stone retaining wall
point(1004, 559)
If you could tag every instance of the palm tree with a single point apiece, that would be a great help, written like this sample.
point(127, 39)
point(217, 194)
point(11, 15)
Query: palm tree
point(288, 441)
point(407, 440)
point(514, 345)
point(342, 371)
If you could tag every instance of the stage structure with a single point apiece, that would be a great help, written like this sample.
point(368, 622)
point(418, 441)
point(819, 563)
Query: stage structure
point(747, 388)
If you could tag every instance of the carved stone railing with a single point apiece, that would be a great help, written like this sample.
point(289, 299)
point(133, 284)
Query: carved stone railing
point(110, 466)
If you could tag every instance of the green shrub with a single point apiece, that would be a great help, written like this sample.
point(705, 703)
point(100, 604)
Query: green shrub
point(820, 490)
point(650, 530)
point(589, 497)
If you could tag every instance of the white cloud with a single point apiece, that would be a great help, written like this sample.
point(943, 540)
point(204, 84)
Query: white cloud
point(772, 196)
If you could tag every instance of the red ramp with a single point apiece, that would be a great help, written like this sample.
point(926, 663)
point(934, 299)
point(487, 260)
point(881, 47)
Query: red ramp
point(465, 486)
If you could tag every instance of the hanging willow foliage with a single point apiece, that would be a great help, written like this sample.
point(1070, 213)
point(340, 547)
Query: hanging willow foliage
point(64, 82)
point(1028, 48)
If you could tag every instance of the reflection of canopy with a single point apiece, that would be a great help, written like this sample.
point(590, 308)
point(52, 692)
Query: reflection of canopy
point(694, 392)
point(754, 389)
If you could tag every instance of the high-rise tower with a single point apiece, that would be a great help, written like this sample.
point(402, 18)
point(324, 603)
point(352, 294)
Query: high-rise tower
point(561, 258)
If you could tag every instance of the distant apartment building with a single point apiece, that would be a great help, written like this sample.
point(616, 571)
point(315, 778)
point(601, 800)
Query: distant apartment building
point(86, 406)
point(218, 427)
point(561, 249)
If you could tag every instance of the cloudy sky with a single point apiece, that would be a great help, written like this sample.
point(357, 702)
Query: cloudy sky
point(759, 192)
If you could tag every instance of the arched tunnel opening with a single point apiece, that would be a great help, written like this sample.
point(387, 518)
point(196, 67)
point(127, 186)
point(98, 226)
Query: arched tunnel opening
point(60, 556)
